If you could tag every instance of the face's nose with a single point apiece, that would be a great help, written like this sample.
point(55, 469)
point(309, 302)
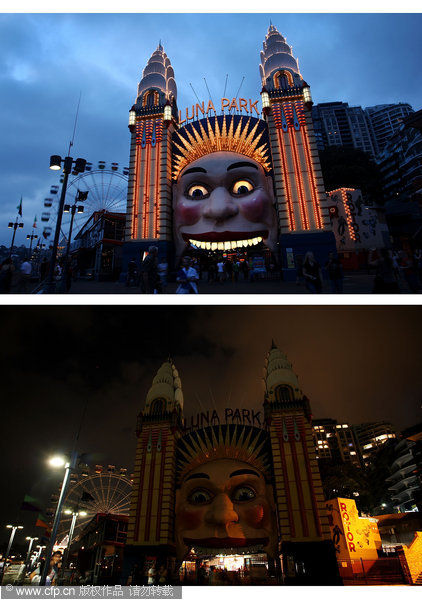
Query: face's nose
point(221, 512)
point(220, 205)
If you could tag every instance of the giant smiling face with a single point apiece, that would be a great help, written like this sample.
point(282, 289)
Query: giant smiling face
point(224, 197)
point(222, 504)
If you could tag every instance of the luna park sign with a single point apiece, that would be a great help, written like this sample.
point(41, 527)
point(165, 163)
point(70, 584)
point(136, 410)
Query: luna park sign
point(198, 111)
point(231, 416)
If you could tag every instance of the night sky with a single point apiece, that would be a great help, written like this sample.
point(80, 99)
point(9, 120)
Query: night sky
point(48, 60)
point(354, 363)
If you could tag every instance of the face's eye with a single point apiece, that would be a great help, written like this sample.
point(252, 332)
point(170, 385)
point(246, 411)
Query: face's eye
point(242, 187)
point(200, 496)
point(196, 191)
point(243, 494)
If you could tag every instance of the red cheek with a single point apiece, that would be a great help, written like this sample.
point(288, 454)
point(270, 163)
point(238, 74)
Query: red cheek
point(187, 215)
point(255, 207)
point(189, 519)
point(253, 516)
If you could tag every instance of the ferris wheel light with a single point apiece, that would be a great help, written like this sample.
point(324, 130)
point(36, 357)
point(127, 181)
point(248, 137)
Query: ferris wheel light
point(67, 512)
point(82, 513)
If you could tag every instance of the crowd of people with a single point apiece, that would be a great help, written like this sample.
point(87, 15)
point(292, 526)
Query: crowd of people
point(393, 271)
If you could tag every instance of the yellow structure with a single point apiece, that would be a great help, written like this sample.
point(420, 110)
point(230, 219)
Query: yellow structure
point(354, 537)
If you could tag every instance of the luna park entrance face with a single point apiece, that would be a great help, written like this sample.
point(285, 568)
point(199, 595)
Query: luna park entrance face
point(224, 569)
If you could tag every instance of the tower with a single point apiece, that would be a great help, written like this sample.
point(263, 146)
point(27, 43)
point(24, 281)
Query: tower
point(299, 187)
point(151, 119)
point(151, 526)
point(303, 523)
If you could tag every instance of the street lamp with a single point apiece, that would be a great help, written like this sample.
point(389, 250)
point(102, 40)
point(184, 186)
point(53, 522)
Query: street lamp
point(14, 226)
point(80, 197)
point(75, 514)
point(28, 556)
point(31, 237)
point(14, 528)
point(55, 165)
point(69, 466)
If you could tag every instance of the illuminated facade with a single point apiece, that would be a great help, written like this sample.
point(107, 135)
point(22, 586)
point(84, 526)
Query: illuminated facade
point(291, 216)
point(230, 493)
point(335, 442)
point(371, 436)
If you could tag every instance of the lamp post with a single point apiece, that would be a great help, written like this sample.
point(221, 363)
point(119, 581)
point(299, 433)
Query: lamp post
point(14, 226)
point(69, 466)
point(28, 556)
point(55, 162)
point(14, 528)
point(31, 237)
point(80, 197)
point(75, 514)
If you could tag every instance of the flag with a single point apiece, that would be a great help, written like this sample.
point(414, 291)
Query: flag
point(19, 207)
point(31, 503)
point(35, 222)
point(42, 521)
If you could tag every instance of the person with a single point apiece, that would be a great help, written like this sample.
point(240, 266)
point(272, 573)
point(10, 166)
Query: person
point(418, 263)
point(335, 273)
point(162, 575)
point(162, 274)
point(149, 272)
point(385, 281)
point(187, 278)
point(132, 273)
point(221, 501)
point(43, 268)
point(53, 573)
point(226, 199)
point(26, 270)
point(229, 269)
point(152, 573)
point(6, 274)
point(311, 271)
point(409, 271)
point(236, 267)
point(221, 274)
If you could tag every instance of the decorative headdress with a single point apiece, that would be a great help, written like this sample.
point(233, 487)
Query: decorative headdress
point(241, 442)
point(231, 133)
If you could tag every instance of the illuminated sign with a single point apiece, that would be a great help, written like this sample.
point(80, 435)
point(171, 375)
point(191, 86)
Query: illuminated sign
point(198, 111)
point(353, 536)
point(231, 416)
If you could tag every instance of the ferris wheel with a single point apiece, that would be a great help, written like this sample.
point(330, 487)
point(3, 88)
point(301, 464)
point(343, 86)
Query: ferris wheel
point(106, 185)
point(100, 492)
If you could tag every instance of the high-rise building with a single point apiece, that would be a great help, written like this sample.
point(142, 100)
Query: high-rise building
point(371, 436)
point(385, 119)
point(335, 442)
point(338, 124)
point(405, 481)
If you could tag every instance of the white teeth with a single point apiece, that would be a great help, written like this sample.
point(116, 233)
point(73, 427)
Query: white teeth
point(226, 245)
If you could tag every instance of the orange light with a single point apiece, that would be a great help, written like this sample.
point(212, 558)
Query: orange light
point(299, 181)
point(286, 184)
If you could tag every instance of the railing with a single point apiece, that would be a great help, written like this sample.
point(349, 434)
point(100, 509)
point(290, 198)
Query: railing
point(381, 571)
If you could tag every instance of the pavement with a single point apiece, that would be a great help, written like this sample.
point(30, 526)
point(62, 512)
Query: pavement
point(359, 282)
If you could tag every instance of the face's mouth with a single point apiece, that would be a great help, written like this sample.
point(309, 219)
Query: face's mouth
point(225, 240)
point(209, 545)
